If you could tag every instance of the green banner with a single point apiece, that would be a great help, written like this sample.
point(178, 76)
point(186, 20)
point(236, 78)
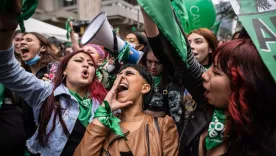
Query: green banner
point(259, 20)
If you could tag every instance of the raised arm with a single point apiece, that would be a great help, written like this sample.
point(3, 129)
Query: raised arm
point(189, 76)
point(14, 77)
point(75, 44)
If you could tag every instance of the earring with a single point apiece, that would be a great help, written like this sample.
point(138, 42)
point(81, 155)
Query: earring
point(63, 78)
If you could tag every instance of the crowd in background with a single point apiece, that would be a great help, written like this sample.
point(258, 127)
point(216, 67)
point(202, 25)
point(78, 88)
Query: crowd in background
point(52, 95)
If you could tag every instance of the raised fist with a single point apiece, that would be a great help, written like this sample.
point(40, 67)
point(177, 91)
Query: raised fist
point(9, 11)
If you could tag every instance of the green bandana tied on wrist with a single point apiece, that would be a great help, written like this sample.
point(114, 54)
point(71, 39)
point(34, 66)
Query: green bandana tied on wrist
point(68, 28)
point(85, 108)
point(124, 53)
point(2, 94)
point(106, 117)
point(28, 9)
point(215, 130)
point(157, 80)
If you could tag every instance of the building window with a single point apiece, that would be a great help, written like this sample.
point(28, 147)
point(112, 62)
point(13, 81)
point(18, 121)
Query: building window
point(67, 3)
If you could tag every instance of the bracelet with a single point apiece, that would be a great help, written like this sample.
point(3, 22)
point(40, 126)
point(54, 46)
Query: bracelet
point(106, 117)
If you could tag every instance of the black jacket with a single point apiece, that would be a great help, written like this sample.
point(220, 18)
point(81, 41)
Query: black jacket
point(199, 119)
point(190, 77)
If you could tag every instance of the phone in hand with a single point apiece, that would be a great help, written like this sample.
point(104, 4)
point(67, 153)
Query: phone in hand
point(52, 69)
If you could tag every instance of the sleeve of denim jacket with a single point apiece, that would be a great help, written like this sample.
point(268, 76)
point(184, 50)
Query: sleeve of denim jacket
point(25, 84)
point(189, 76)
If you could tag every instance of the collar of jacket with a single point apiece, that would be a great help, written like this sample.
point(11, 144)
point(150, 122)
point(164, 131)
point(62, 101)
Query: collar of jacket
point(113, 137)
point(61, 89)
point(63, 92)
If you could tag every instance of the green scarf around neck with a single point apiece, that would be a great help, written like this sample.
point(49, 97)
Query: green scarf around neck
point(85, 108)
point(2, 94)
point(216, 129)
point(157, 80)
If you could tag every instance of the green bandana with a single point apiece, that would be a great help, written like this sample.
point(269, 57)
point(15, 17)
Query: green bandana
point(157, 80)
point(207, 66)
point(98, 73)
point(216, 129)
point(106, 117)
point(2, 96)
point(162, 15)
point(124, 54)
point(28, 9)
point(85, 108)
point(68, 28)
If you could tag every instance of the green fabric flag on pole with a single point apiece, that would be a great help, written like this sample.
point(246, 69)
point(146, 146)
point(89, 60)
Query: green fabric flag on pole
point(259, 20)
point(68, 28)
point(161, 13)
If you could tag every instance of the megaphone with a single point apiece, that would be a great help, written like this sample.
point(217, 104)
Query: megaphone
point(100, 32)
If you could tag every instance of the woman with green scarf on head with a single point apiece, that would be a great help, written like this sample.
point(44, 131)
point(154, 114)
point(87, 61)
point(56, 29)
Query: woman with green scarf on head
point(167, 96)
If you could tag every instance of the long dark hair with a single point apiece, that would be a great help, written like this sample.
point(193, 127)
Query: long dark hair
point(252, 105)
point(96, 89)
point(47, 56)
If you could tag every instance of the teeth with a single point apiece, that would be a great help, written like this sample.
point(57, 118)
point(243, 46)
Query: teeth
point(123, 85)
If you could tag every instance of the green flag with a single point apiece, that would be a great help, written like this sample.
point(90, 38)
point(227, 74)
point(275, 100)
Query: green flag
point(68, 28)
point(161, 13)
point(259, 20)
point(215, 27)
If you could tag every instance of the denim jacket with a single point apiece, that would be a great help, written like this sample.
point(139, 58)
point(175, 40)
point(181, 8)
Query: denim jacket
point(35, 91)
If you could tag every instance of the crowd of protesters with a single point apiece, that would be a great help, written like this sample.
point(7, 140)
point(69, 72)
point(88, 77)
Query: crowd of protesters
point(70, 99)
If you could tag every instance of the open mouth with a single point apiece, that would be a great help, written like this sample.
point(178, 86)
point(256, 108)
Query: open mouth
point(24, 50)
point(122, 89)
point(85, 73)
